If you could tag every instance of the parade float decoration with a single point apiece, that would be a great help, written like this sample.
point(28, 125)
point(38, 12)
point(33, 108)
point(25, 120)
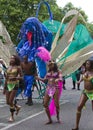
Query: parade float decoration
point(70, 45)
point(33, 35)
point(7, 47)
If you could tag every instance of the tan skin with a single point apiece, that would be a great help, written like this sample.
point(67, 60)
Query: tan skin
point(27, 66)
point(83, 99)
point(10, 95)
point(47, 98)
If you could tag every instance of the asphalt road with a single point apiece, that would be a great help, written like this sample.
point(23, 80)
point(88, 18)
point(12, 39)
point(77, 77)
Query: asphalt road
point(34, 117)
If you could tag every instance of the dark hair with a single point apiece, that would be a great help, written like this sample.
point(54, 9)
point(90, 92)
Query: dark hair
point(17, 60)
point(91, 64)
point(55, 68)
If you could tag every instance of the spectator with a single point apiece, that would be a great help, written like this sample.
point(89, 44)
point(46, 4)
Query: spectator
point(64, 82)
point(75, 78)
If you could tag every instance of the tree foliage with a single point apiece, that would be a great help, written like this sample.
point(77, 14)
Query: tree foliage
point(14, 12)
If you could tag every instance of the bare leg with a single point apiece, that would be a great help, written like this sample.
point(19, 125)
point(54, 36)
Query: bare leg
point(8, 94)
point(56, 99)
point(11, 103)
point(82, 102)
point(46, 102)
point(12, 110)
point(7, 97)
point(17, 109)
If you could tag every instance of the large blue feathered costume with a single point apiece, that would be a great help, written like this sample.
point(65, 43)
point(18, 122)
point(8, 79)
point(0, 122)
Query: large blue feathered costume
point(34, 34)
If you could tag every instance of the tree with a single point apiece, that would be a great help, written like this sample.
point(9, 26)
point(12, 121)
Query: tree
point(14, 12)
point(90, 28)
point(70, 6)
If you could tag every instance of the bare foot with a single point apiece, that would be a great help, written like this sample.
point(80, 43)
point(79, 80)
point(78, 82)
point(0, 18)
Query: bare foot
point(11, 119)
point(49, 122)
point(59, 121)
point(17, 110)
point(75, 129)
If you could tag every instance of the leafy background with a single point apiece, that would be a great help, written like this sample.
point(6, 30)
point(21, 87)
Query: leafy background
point(14, 12)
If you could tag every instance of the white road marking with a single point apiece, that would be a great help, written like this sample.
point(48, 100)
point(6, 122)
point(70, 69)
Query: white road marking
point(2, 103)
point(23, 120)
point(7, 127)
point(3, 124)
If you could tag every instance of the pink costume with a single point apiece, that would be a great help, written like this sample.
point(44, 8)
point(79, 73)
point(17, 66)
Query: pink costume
point(52, 107)
point(50, 90)
point(51, 87)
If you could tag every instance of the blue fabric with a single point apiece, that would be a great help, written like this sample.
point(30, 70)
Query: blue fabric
point(28, 79)
point(41, 36)
point(41, 67)
point(33, 25)
point(18, 92)
point(48, 7)
point(20, 45)
point(49, 37)
point(27, 50)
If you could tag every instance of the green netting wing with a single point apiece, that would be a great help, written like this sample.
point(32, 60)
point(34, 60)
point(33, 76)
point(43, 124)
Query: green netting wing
point(53, 26)
point(79, 50)
point(65, 39)
point(81, 39)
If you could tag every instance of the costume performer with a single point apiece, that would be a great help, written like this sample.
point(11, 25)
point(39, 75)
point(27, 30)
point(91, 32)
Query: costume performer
point(29, 70)
point(53, 78)
point(13, 75)
point(87, 93)
point(34, 34)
